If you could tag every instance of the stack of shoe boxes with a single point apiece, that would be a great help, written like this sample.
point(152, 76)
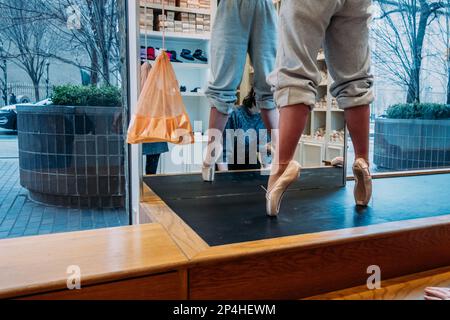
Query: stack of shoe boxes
point(166, 2)
point(207, 23)
point(146, 18)
point(167, 21)
point(204, 4)
point(195, 4)
point(188, 22)
point(200, 23)
point(183, 3)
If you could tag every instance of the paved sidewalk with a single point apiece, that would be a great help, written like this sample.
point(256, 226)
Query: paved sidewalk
point(19, 216)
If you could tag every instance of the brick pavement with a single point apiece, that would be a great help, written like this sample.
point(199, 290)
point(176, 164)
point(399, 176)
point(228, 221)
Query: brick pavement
point(19, 216)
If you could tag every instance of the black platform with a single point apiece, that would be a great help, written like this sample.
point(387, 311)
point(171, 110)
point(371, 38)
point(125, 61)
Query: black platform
point(232, 209)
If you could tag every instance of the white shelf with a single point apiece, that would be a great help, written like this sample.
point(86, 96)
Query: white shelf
point(176, 9)
point(205, 36)
point(193, 94)
point(187, 65)
point(312, 140)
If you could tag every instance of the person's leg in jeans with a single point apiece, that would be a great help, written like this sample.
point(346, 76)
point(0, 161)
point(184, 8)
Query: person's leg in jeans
point(262, 51)
point(229, 44)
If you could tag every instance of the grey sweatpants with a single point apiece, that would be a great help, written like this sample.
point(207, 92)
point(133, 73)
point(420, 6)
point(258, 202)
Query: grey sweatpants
point(342, 27)
point(241, 27)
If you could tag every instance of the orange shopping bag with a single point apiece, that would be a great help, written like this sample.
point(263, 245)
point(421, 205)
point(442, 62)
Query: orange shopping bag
point(161, 115)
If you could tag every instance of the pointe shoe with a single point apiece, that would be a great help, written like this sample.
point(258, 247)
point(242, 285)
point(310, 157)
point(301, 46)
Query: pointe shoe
point(276, 193)
point(208, 173)
point(363, 182)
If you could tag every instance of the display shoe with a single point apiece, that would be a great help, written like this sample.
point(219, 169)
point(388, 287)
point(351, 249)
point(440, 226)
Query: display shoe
point(195, 90)
point(183, 89)
point(173, 56)
point(151, 53)
point(275, 194)
point(198, 54)
point(208, 172)
point(363, 182)
point(187, 54)
point(337, 162)
point(143, 53)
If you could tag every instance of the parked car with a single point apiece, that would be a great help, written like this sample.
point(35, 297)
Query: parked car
point(8, 114)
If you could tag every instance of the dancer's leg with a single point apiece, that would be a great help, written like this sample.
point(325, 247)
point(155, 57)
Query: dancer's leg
point(358, 123)
point(293, 121)
point(217, 121)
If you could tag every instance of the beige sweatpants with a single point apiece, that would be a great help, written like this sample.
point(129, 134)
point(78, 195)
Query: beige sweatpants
point(342, 28)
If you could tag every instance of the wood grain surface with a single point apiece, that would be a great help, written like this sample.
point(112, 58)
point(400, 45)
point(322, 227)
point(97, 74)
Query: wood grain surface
point(39, 264)
point(410, 287)
point(301, 271)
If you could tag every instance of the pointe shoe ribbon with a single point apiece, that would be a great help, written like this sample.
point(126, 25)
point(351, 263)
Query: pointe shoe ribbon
point(275, 194)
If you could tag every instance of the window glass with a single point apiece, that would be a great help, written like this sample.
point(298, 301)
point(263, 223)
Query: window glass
point(410, 118)
point(62, 150)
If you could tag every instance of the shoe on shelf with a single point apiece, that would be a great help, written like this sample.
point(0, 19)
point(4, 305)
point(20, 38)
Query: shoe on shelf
point(151, 53)
point(208, 172)
point(363, 182)
point(173, 56)
point(195, 89)
point(275, 194)
point(337, 162)
point(183, 89)
point(187, 54)
point(198, 54)
point(143, 53)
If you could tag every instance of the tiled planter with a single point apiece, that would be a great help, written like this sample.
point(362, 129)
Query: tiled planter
point(403, 144)
point(72, 156)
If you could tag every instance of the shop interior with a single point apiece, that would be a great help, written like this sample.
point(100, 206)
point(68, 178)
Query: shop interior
point(191, 239)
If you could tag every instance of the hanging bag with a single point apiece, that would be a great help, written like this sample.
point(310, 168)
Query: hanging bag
point(161, 115)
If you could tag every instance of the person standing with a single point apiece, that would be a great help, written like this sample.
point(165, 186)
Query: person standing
point(152, 152)
point(241, 27)
point(247, 120)
point(342, 27)
point(12, 99)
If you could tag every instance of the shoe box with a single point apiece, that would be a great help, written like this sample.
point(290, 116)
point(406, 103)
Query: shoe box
point(175, 21)
point(195, 4)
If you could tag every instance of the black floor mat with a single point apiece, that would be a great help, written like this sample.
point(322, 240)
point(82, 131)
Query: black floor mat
point(232, 209)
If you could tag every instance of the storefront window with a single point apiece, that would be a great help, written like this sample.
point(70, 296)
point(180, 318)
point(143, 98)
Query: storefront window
point(62, 151)
point(410, 118)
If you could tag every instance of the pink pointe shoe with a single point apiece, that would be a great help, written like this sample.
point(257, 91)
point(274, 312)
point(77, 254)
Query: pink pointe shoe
point(363, 182)
point(276, 193)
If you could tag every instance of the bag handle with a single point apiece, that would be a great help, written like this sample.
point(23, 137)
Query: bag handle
point(164, 27)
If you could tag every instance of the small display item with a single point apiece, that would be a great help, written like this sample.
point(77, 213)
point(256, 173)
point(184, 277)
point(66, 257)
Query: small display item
point(187, 54)
point(198, 54)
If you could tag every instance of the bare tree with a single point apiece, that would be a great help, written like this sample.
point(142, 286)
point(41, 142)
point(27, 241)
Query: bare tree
point(399, 35)
point(28, 38)
point(4, 73)
point(97, 36)
point(440, 41)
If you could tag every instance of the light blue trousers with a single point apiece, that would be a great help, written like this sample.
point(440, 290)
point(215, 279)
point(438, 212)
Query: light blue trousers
point(241, 27)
